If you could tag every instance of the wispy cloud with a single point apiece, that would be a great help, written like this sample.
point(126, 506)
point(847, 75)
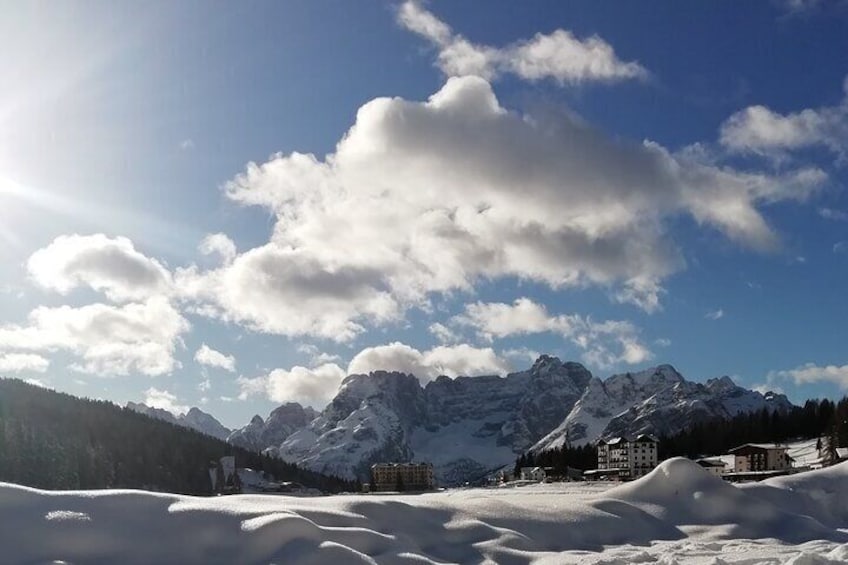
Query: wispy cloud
point(603, 343)
point(833, 214)
point(758, 129)
point(812, 373)
point(715, 314)
point(559, 55)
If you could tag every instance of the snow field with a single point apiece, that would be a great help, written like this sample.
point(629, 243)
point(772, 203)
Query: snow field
point(676, 514)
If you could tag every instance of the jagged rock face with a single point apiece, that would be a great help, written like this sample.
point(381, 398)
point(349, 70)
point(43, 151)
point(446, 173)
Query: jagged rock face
point(464, 426)
point(281, 423)
point(370, 420)
point(687, 403)
point(668, 411)
point(601, 401)
point(205, 423)
point(157, 413)
point(195, 419)
point(657, 401)
point(738, 400)
point(468, 426)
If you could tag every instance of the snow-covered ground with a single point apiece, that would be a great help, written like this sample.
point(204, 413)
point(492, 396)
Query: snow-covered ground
point(804, 452)
point(676, 514)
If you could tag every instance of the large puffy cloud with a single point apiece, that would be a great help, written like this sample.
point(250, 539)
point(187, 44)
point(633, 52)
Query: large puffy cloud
point(23, 362)
point(454, 360)
point(283, 290)
point(761, 130)
point(205, 355)
point(604, 344)
point(423, 198)
point(558, 55)
point(109, 340)
point(109, 265)
point(309, 386)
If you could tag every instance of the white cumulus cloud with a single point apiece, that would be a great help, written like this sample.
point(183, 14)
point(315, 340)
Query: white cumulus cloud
point(559, 55)
point(108, 340)
point(430, 197)
point(761, 130)
point(205, 355)
point(812, 373)
point(23, 362)
point(218, 244)
point(164, 400)
point(453, 361)
point(314, 386)
point(109, 265)
point(603, 343)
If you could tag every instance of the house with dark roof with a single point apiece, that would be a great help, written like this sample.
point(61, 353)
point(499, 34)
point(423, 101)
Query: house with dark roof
point(755, 457)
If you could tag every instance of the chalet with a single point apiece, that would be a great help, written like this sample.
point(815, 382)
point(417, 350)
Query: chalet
point(756, 457)
point(715, 466)
point(402, 476)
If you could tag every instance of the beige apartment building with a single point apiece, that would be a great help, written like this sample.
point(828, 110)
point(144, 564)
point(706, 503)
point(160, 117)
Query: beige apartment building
point(402, 476)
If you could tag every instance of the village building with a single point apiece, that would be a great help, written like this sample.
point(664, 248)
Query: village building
point(401, 477)
point(537, 474)
point(760, 457)
point(713, 465)
point(622, 458)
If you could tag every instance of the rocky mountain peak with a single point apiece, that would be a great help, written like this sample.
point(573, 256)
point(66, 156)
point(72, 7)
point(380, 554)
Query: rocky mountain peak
point(195, 419)
point(545, 364)
point(720, 383)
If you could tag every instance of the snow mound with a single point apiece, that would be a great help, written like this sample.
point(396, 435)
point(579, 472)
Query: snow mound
point(676, 514)
point(682, 493)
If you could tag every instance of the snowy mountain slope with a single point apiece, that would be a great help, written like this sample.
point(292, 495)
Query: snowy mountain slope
point(369, 420)
point(281, 423)
point(657, 400)
point(465, 426)
point(468, 426)
point(687, 403)
point(604, 400)
point(204, 423)
point(195, 419)
point(737, 400)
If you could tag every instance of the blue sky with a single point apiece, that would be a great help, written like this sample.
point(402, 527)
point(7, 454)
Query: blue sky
point(232, 206)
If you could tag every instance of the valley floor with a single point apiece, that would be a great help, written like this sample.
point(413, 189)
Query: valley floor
point(676, 514)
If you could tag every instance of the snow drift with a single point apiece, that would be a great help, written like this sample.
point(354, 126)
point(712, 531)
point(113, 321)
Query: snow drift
point(678, 511)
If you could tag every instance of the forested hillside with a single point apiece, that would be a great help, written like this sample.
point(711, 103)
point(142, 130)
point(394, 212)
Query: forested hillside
point(56, 441)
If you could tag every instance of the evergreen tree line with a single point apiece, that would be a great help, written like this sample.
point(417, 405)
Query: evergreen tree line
point(817, 418)
point(52, 440)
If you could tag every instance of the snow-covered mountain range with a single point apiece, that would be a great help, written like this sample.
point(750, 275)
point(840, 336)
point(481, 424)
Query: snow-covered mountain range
point(195, 419)
point(467, 426)
point(280, 424)
point(658, 401)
